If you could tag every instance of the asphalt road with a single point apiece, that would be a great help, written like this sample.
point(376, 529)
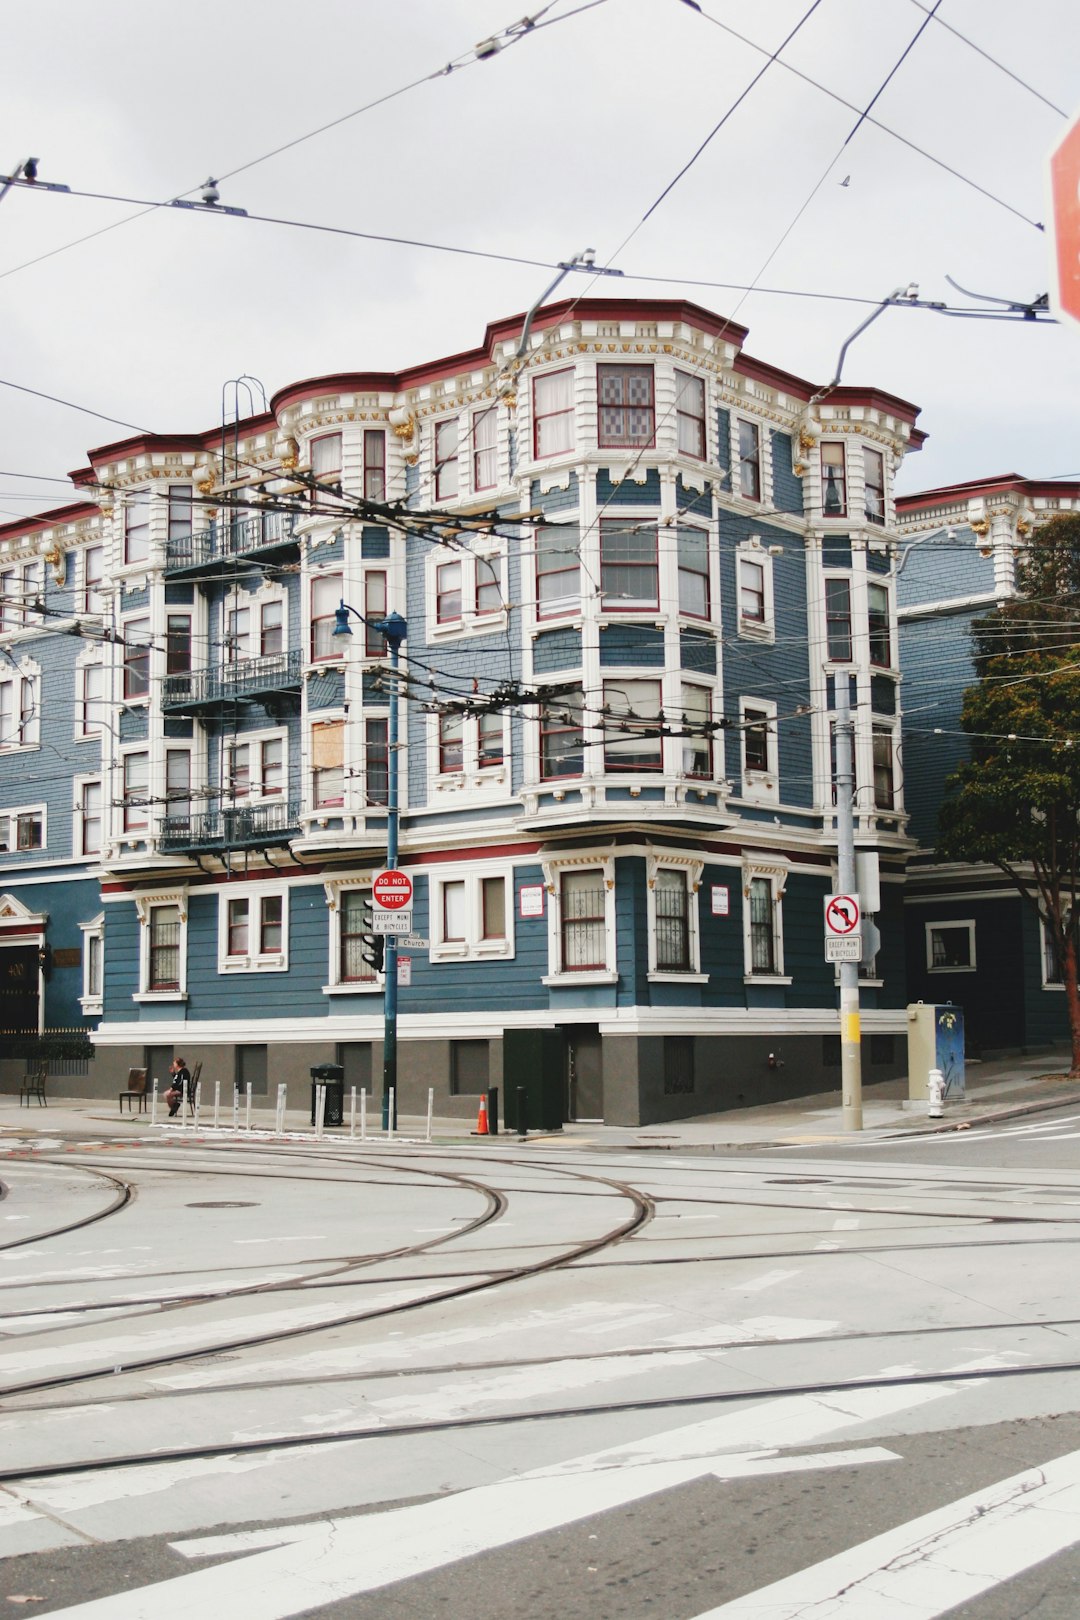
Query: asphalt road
point(266, 1381)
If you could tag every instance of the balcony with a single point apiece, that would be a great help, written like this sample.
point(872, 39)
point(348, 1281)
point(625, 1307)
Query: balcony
point(265, 538)
point(234, 826)
point(247, 680)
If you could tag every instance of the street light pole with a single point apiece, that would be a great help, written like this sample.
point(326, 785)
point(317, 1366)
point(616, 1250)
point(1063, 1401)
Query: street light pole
point(394, 629)
point(850, 1031)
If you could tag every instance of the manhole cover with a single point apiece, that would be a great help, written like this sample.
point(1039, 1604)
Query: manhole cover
point(224, 1203)
point(795, 1181)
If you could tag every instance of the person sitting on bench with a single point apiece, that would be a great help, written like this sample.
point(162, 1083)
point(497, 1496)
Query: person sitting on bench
point(181, 1084)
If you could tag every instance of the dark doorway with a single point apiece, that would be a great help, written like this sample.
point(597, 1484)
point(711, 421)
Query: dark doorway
point(157, 1060)
point(251, 1070)
point(584, 1073)
point(19, 990)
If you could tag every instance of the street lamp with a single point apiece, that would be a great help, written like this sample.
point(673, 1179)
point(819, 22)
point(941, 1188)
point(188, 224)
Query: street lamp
point(393, 628)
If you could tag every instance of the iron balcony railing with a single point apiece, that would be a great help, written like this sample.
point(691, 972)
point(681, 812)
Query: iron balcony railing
point(245, 678)
point(235, 538)
point(232, 826)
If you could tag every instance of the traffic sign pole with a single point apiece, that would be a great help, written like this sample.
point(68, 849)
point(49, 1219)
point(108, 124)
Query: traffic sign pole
point(850, 1030)
point(393, 628)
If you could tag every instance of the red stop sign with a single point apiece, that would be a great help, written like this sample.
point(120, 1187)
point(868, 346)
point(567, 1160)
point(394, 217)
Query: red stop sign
point(1065, 224)
point(392, 890)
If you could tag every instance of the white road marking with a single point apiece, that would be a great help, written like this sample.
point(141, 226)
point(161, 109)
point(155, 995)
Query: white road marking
point(340, 1558)
point(933, 1564)
point(768, 1280)
point(846, 1223)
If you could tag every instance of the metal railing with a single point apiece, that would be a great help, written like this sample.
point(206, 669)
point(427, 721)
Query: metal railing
point(234, 538)
point(246, 677)
point(231, 826)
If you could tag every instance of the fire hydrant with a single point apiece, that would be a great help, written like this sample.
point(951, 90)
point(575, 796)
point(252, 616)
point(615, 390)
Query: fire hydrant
point(935, 1091)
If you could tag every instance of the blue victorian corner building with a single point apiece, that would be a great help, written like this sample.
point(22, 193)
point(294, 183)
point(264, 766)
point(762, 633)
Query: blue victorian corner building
point(634, 563)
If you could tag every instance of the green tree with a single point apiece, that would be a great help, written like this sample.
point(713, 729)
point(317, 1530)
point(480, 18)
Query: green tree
point(1016, 802)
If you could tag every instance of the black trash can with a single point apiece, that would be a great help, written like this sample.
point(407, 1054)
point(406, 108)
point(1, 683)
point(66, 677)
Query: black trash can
point(332, 1076)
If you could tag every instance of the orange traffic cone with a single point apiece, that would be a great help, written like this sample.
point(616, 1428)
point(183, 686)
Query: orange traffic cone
point(481, 1118)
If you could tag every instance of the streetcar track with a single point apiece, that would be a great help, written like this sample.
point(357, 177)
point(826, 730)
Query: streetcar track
point(643, 1209)
point(714, 1347)
point(125, 1196)
point(292, 1442)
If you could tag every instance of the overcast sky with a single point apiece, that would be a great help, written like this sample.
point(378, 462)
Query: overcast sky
point(559, 142)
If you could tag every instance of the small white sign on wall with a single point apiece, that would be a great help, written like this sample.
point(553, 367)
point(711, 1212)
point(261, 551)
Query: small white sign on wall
point(404, 970)
point(721, 901)
point(531, 900)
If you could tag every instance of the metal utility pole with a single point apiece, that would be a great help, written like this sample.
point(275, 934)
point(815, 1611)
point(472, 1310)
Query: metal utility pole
point(393, 627)
point(850, 1031)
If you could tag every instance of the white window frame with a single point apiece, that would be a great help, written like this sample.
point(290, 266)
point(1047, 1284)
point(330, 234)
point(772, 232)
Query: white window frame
point(470, 622)
point(93, 1004)
point(691, 870)
point(553, 871)
point(145, 832)
point(1046, 950)
point(256, 793)
point(971, 966)
point(84, 731)
point(335, 985)
point(253, 960)
point(439, 468)
point(764, 629)
point(140, 616)
point(12, 816)
point(775, 872)
point(81, 783)
point(473, 947)
point(327, 717)
point(471, 774)
point(145, 905)
point(760, 785)
point(29, 735)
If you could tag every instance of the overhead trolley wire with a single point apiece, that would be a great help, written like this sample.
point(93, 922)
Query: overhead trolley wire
point(994, 62)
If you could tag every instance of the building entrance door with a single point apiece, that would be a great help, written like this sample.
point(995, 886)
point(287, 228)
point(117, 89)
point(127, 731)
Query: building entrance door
point(18, 990)
point(584, 1073)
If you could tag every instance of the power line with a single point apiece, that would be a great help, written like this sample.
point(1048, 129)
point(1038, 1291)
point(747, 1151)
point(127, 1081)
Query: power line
point(994, 62)
point(885, 128)
point(512, 35)
point(86, 409)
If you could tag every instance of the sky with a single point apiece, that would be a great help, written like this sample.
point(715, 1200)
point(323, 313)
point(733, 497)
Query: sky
point(561, 140)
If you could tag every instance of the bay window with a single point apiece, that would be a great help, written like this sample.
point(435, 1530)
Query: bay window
point(558, 571)
point(374, 612)
point(180, 518)
point(136, 791)
point(272, 629)
point(877, 605)
point(884, 780)
point(328, 764)
point(89, 805)
point(838, 619)
point(697, 738)
point(693, 563)
point(833, 481)
point(326, 594)
point(632, 740)
point(873, 485)
point(446, 459)
point(137, 526)
point(553, 413)
point(626, 407)
point(629, 573)
point(92, 600)
point(485, 451)
point(376, 761)
point(137, 658)
point(690, 414)
point(374, 464)
point(562, 738)
point(750, 461)
point(325, 457)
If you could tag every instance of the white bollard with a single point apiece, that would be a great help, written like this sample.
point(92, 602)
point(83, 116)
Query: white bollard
point(363, 1115)
point(935, 1094)
point(390, 1114)
point(279, 1117)
point(352, 1111)
point(320, 1109)
point(198, 1103)
point(153, 1103)
point(248, 1116)
point(235, 1106)
point(430, 1111)
point(217, 1102)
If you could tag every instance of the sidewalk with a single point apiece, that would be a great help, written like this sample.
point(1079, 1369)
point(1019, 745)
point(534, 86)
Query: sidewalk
point(1003, 1089)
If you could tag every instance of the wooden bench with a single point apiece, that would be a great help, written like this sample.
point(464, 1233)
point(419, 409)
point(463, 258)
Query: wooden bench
point(34, 1086)
point(136, 1087)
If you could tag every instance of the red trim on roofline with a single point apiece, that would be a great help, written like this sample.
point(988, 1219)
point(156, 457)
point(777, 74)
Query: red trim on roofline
point(985, 486)
point(47, 520)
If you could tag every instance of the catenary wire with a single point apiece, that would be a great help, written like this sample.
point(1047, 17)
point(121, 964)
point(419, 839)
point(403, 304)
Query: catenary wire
point(994, 61)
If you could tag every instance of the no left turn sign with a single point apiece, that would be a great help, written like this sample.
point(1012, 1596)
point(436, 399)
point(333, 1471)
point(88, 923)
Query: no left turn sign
point(841, 914)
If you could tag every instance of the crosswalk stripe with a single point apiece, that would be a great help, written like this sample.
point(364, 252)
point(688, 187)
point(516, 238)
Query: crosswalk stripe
point(934, 1563)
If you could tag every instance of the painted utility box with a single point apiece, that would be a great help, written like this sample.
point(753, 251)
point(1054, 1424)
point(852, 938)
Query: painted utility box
point(935, 1035)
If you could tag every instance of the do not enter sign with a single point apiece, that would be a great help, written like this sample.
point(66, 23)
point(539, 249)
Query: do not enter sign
point(392, 890)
